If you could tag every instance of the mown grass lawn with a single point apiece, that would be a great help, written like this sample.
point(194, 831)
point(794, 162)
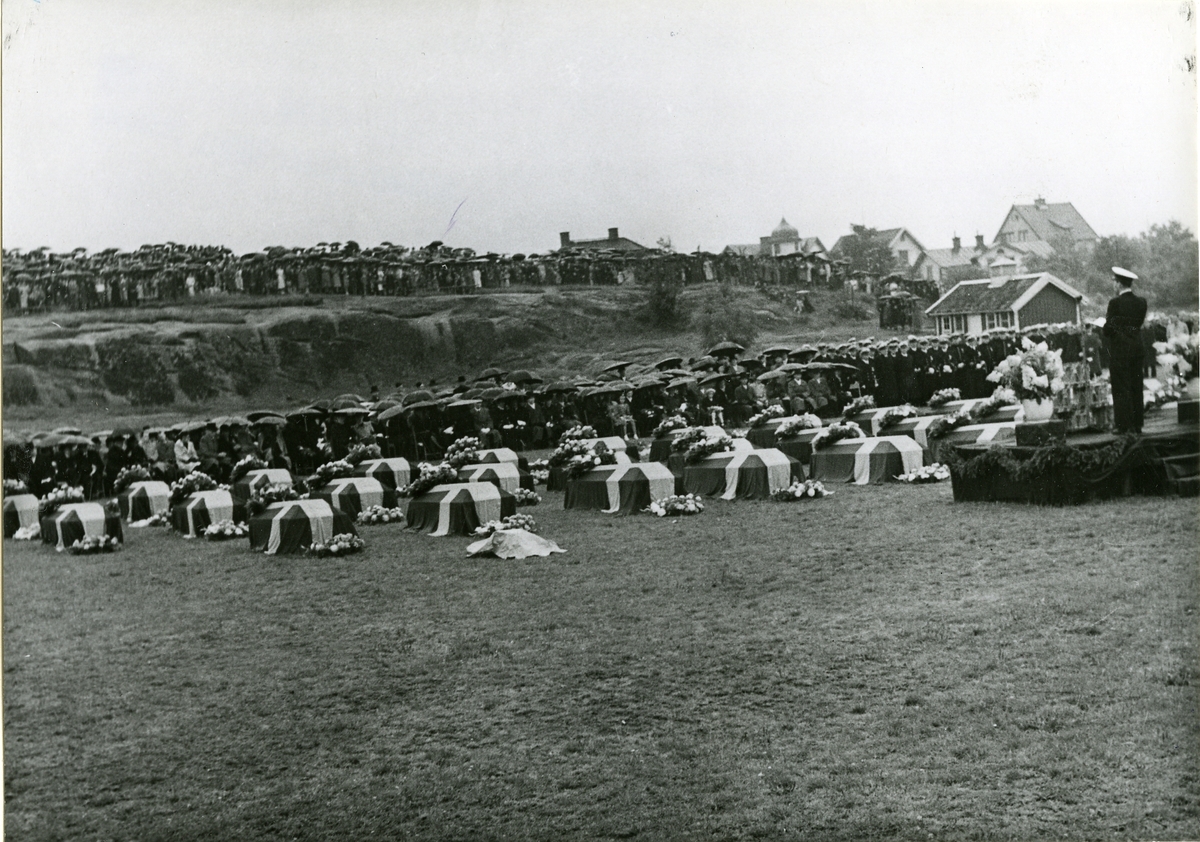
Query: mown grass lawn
point(883, 663)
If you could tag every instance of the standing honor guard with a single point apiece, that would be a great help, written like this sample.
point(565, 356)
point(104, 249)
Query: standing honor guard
point(1122, 330)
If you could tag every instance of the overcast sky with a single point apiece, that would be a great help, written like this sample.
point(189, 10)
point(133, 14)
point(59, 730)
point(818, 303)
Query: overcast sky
point(496, 125)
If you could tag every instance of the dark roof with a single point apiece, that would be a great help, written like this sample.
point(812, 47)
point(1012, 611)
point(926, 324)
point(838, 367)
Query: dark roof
point(946, 258)
point(748, 250)
point(619, 244)
point(993, 295)
point(1054, 220)
point(886, 236)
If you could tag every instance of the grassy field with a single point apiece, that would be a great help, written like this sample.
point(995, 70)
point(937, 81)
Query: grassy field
point(879, 664)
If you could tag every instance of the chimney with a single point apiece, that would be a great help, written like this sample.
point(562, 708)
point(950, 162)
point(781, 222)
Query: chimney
point(564, 239)
point(957, 244)
point(1040, 203)
point(979, 242)
point(612, 233)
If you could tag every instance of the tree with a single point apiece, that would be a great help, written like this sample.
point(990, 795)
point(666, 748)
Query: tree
point(866, 251)
point(1171, 267)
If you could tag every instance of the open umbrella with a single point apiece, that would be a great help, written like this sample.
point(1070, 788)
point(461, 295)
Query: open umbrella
point(419, 396)
point(522, 376)
point(68, 431)
point(771, 375)
point(489, 373)
point(352, 410)
point(344, 403)
point(231, 421)
point(350, 396)
point(713, 378)
point(271, 421)
point(669, 362)
point(419, 405)
point(726, 349)
point(306, 412)
point(262, 413)
point(777, 350)
point(616, 366)
point(681, 381)
point(561, 386)
point(392, 412)
point(705, 363)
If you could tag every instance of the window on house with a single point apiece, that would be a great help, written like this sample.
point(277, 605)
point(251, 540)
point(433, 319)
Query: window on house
point(903, 256)
point(989, 321)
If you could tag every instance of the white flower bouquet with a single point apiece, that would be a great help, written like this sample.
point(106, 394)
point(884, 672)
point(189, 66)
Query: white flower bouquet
point(772, 411)
point(801, 490)
point(517, 521)
point(788, 428)
point(676, 504)
point(926, 474)
point(344, 544)
point(1033, 375)
point(525, 497)
point(376, 515)
point(225, 530)
point(93, 544)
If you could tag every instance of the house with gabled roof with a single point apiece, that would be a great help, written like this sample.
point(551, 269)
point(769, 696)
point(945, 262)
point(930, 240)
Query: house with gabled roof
point(904, 247)
point(785, 239)
point(1014, 301)
point(1050, 223)
point(613, 242)
point(946, 267)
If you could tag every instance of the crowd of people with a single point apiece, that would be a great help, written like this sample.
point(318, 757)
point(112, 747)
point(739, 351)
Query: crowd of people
point(519, 410)
point(42, 280)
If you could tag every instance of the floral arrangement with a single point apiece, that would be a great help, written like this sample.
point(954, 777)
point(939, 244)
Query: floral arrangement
point(895, 415)
point(190, 484)
point(800, 490)
point(225, 530)
point(687, 439)
point(1180, 356)
point(276, 492)
point(669, 425)
point(676, 504)
point(154, 520)
point(344, 544)
point(940, 427)
point(943, 396)
point(837, 432)
point(859, 405)
point(129, 475)
point(539, 469)
point(375, 515)
point(567, 451)
point(525, 497)
point(333, 470)
point(580, 465)
point(772, 411)
point(15, 486)
point(464, 451)
point(926, 474)
point(244, 466)
point(361, 452)
point(706, 447)
point(95, 544)
point(429, 476)
point(807, 421)
point(60, 496)
point(518, 521)
point(1036, 373)
point(579, 431)
point(28, 533)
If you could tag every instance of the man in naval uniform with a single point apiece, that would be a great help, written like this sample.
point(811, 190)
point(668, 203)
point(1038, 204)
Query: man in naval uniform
point(1122, 333)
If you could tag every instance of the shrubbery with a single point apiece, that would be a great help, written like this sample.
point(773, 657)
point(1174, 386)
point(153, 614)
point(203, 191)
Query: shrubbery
point(724, 314)
point(135, 370)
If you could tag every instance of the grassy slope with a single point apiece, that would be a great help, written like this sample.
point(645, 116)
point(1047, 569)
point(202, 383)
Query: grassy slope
point(559, 332)
point(880, 664)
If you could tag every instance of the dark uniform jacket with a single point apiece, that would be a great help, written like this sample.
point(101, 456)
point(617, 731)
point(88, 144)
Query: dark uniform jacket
point(1123, 325)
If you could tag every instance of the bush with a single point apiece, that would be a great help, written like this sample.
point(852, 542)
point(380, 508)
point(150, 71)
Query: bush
point(662, 307)
point(134, 369)
point(723, 314)
point(199, 372)
point(856, 311)
point(20, 389)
